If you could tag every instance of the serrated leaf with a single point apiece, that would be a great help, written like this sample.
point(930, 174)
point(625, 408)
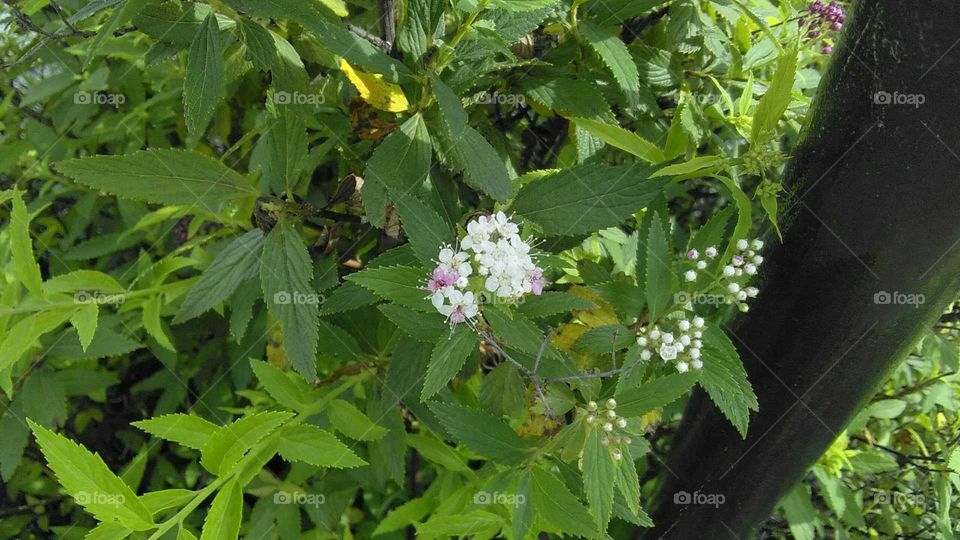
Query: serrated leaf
point(375, 91)
point(424, 227)
point(776, 100)
point(599, 477)
point(261, 49)
point(725, 380)
point(285, 275)
point(161, 176)
point(82, 280)
point(238, 262)
point(88, 480)
point(553, 303)
point(744, 214)
point(481, 432)
point(223, 450)
point(85, 321)
point(399, 284)
point(25, 266)
point(448, 357)
point(423, 327)
point(660, 278)
point(586, 198)
point(617, 59)
point(205, 80)
point(627, 480)
point(522, 5)
point(556, 505)
point(399, 165)
point(454, 115)
point(316, 447)
point(186, 429)
point(287, 143)
point(482, 167)
point(225, 514)
point(279, 385)
point(158, 501)
point(620, 138)
point(351, 421)
point(650, 395)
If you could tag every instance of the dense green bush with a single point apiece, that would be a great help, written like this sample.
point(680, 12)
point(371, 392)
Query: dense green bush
point(293, 268)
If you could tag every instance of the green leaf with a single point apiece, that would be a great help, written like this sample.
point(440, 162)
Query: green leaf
point(660, 278)
point(776, 100)
point(424, 227)
point(85, 321)
point(586, 198)
point(406, 514)
point(222, 452)
point(88, 480)
point(553, 303)
point(423, 327)
point(285, 275)
point(617, 58)
point(659, 392)
point(503, 391)
point(448, 357)
point(350, 421)
point(700, 165)
point(557, 506)
point(158, 501)
point(481, 432)
point(416, 35)
point(82, 280)
point(261, 49)
point(400, 284)
point(482, 167)
point(402, 161)
point(316, 447)
point(118, 17)
point(620, 138)
point(225, 514)
point(186, 429)
point(238, 262)
point(599, 477)
point(161, 176)
point(451, 108)
point(744, 214)
point(25, 334)
point(286, 142)
point(522, 5)
point(515, 331)
point(627, 480)
point(725, 380)
point(472, 524)
point(25, 267)
point(280, 385)
point(205, 81)
point(569, 97)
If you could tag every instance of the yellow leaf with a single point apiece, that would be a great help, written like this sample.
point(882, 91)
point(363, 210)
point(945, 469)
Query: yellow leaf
point(602, 315)
point(372, 88)
point(567, 335)
point(338, 7)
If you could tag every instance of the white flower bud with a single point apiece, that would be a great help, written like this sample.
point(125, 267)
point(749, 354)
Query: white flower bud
point(684, 325)
point(742, 296)
point(690, 275)
point(697, 364)
point(608, 427)
point(752, 292)
point(698, 334)
point(694, 353)
point(645, 355)
point(611, 403)
point(668, 352)
point(698, 322)
point(701, 265)
point(655, 334)
point(733, 288)
point(758, 260)
point(697, 343)
point(627, 440)
point(744, 308)
point(642, 341)
point(710, 252)
point(682, 367)
point(757, 244)
point(742, 245)
point(617, 455)
point(738, 272)
point(612, 414)
point(621, 422)
point(684, 340)
point(667, 338)
point(729, 271)
point(591, 418)
point(592, 406)
point(750, 269)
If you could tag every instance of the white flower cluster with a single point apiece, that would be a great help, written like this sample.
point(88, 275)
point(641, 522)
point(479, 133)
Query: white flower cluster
point(493, 250)
point(609, 419)
point(682, 349)
point(731, 283)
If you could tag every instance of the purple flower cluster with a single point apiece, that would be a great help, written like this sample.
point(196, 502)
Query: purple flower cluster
point(823, 18)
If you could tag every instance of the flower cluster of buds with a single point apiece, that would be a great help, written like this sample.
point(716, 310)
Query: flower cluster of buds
point(493, 251)
point(609, 421)
point(683, 349)
point(743, 265)
point(823, 18)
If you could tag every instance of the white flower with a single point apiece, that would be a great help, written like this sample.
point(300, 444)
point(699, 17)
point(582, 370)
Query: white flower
point(642, 341)
point(684, 340)
point(697, 364)
point(645, 354)
point(668, 352)
point(694, 353)
point(655, 334)
point(701, 265)
point(698, 322)
point(742, 245)
point(684, 325)
point(728, 271)
point(752, 291)
point(757, 245)
point(750, 269)
point(710, 252)
point(690, 275)
point(733, 288)
point(462, 306)
point(682, 367)
point(758, 260)
point(667, 338)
